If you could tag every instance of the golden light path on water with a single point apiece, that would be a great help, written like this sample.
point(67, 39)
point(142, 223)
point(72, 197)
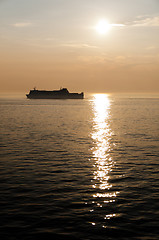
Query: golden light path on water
point(103, 163)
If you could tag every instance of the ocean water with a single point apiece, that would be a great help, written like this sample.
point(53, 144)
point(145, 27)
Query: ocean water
point(79, 169)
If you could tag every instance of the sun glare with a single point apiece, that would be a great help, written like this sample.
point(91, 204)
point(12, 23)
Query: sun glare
point(103, 26)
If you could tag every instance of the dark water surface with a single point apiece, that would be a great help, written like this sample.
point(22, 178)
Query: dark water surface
point(79, 169)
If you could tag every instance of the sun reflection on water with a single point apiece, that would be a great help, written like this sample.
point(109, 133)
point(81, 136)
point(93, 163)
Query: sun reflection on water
point(101, 136)
point(103, 162)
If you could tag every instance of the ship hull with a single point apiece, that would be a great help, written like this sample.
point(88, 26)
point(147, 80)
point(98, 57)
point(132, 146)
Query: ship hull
point(55, 97)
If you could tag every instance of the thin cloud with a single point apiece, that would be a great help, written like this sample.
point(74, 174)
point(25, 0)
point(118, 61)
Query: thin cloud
point(147, 22)
point(153, 48)
point(22, 24)
point(117, 25)
point(76, 45)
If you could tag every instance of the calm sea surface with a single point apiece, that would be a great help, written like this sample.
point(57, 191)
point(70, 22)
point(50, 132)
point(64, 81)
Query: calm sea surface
point(79, 169)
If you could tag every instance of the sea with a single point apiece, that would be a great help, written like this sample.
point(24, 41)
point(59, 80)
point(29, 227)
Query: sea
point(79, 169)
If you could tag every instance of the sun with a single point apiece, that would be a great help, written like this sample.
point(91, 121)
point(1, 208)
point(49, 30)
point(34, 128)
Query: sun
point(103, 26)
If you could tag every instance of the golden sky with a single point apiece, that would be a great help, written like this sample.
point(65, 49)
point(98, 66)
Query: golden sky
point(86, 45)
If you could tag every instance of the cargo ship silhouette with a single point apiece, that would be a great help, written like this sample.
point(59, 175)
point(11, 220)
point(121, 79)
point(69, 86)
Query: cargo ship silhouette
point(63, 93)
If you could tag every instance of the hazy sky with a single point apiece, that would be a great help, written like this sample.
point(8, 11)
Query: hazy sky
point(54, 43)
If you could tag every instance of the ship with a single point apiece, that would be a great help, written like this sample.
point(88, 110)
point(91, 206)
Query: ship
point(63, 93)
